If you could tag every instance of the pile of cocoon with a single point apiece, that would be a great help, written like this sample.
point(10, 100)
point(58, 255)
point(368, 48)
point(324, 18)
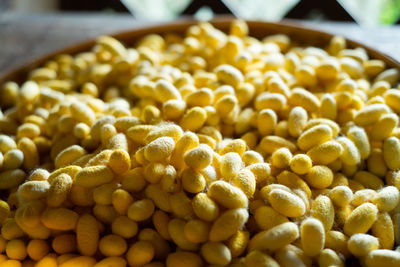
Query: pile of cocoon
point(209, 149)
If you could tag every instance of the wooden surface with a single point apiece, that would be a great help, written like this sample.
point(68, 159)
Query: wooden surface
point(26, 37)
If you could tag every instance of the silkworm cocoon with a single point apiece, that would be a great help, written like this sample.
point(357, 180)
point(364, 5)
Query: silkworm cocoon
point(82, 113)
point(120, 200)
point(159, 149)
point(164, 130)
point(319, 177)
point(160, 221)
point(281, 158)
point(305, 99)
point(370, 114)
point(266, 121)
point(197, 231)
point(252, 157)
point(141, 210)
point(325, 153)
point(28, 130)
point(271, 143)
point(230, 164)
point(246, 181)
point(236, 146)
point(173, 109)
point(59, 219)
point(63, 244)
point(328, 257)
point(112, 245)
point(10, 229)
point(120, 161)
point(337, 241)
point(293, 181)
point(31, 154)
point(314, 136)
point(229, 75)
point(361, 244)
point(225, 106)
point(124, 227)
point(351, 155)
point(133, 180)
point(261, 171)
point(341, 195)
point(103, 194)
point(204, 207)
point(360, 139)
point(227, 195)
point(383, 229)
point(257, 258)
point(138, 133)
point(274, 238)
point(321, 121)
point(34, 189)
point(269, 100)
point(391, 152)
point(37, 249)
point(176, 231)
point(216, 253)
point(181, 205)
point(312, 236)
point(101, 158)
point(192, 181)
point(184, 259)
point(291, 255)
point(6, 143)
point(300, 164)
point(328, 108)
point(81, 130)
point(227, 224)
point(387, 198)
point(361, 219)
point(376, 163)
point(112, 45)
point(69, 155)
point(193, 119)
point(87, 235)
point(382, 257)
point(199, 157)
point(237, 243)
point(118, 141)
point(4, 211)
point(383, 128)
point(281, 129)
point(297, 121)
point(266, 217)
point(83, 261)
point(111, 261)
point(188, 141)
point(392, 99)
point(362, 196)
point(164, 91)
point(323, 210)
point(50, 260)
point(286, 203)
point(16, 249)
point(13, 159)
point(11, 178)
point(94, 176)
point(122, 124)
point(153, 172)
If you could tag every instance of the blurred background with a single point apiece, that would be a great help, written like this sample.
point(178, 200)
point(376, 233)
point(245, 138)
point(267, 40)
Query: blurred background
point(364, 12)
point(32, 28)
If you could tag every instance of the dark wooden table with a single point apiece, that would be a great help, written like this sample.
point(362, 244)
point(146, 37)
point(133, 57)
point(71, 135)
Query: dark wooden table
point(24, 37)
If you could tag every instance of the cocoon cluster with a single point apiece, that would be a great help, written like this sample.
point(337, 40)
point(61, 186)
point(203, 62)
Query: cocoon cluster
point(210, 148)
